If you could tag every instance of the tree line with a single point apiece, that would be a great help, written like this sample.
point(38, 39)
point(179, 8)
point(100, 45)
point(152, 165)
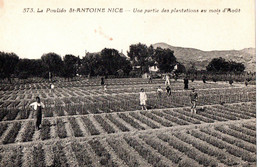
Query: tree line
point(104, 63)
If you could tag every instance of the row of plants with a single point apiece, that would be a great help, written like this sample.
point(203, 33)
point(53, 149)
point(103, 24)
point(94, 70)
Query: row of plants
point(191, 152)
point(230, 112)
point(144, 120)
point(170, 118)
point(108, 128)
point(131, 121)
point(162, 148)
point(234, 141)
point(29, 132)
point(83, 83)
point(102, 153)
point(38, 156)
point(13, 157)
point(157, 119)
point(251, 127)
point(236, 134)
point(220, 113)
point(82, 155)
point(90, 126)
point(144, 152)
point(59, 158)
point(122, 152)
point(239, 109)
point(45, 130)
point(3, 127)
point(187, 112)
point(11, 136)
point(207, 149)
point(61, 130)
point(238, 152)
point(75, 127)
point(182, 117)
point(243, 130)
point(120, 125)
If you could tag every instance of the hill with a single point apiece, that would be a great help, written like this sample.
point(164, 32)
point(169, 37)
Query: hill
point(201, 58)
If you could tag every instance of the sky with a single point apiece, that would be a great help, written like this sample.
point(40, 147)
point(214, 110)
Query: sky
point(32, 34)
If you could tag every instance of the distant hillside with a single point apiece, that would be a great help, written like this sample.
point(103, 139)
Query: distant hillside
point(202, 58)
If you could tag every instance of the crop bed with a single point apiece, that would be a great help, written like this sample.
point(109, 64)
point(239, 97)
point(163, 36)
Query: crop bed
point(109, 129)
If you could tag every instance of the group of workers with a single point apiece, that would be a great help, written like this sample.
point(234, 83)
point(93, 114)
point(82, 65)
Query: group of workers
point(193, 97)
point(38, 105)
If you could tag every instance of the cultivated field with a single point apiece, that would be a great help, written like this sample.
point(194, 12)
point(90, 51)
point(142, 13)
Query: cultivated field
point(85, 126)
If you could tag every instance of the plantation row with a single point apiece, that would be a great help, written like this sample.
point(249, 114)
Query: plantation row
point(82, 83)
point(92, 90)
point(216, 145)
point(102, 124)
point(122, 103)
point(62, 98)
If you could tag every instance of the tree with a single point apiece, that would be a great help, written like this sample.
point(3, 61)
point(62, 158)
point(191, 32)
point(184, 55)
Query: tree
point(107, 62)
point(192, 69)
point(165, 59)
point(180, 68)
point(70, 66)
point(8, 62)
point(53, 63)
point(139, 56)
point(223, 66)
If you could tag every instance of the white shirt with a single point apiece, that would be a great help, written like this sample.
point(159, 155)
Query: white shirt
point(167, 77)
point(35, 104)
point(52, 86)
point(159, 90)
point(143, 96)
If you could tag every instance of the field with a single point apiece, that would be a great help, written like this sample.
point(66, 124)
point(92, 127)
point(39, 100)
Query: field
point(85, 126)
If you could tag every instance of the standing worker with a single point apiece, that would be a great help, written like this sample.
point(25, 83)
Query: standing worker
point(159, 92)
point(143, 99)
point(168, 90)
point(186, 83)
point(204, 78)
point(193, 98)
point(167, 80)
point(150, 79)
point(52, 88)
point(102, 83)
point(38, 106)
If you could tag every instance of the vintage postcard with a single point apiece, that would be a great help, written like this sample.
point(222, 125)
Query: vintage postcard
point(128, 83)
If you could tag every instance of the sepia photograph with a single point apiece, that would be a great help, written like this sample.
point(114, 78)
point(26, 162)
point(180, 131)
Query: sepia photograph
point(110, 83)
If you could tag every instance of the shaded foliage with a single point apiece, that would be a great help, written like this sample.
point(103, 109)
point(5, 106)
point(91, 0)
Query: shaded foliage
point(8, 62)
point(221, 65)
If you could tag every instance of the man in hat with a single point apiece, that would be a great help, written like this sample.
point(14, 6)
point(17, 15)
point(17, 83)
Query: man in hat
point(193, 98)
point(38, 106)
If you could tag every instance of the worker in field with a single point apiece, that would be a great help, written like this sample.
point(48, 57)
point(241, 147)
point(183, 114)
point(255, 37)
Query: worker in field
point(52, 88)
point(105, 88)
point(167, 80)
point(38, 106)
point(193, 98)
point(186, 83)
point(168, 91)
point(102, 81)
point(159, 92)
point(150, 79)
point(204, 78)
point(143, 99)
